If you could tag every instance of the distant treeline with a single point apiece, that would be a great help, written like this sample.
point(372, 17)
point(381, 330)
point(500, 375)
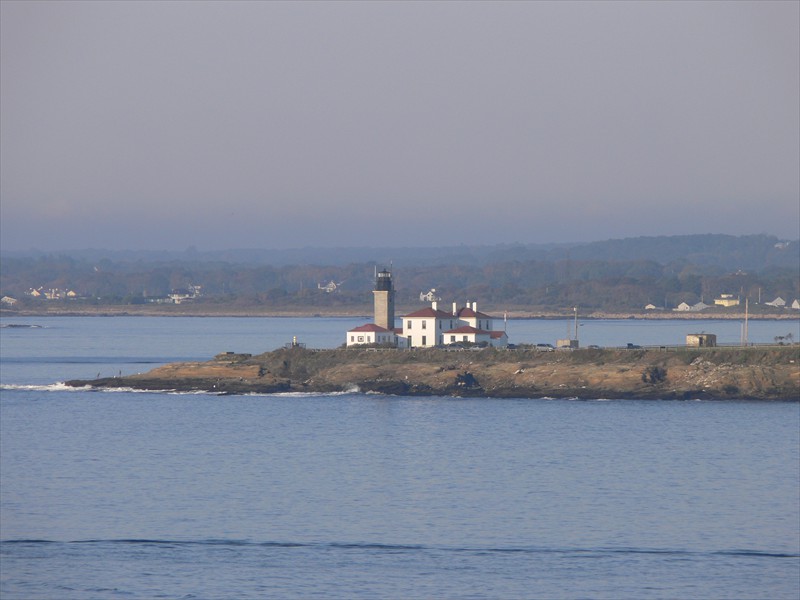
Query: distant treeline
point(613, 275)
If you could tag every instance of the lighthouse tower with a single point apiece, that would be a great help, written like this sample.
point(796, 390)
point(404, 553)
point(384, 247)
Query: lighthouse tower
point(384, 299)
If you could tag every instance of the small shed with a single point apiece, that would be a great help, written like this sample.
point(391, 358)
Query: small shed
point(701, 340)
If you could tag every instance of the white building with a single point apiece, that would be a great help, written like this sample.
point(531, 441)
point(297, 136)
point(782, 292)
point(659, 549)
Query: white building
point(777, 303)
point(429, 296)
point(371, 334)
point(683, 307)
point(427, 327)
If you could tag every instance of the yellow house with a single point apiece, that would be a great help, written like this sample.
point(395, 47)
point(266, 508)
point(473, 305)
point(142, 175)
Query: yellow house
point(727, 300)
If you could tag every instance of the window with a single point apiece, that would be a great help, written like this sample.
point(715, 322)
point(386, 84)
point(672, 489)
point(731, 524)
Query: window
point(452, 338)
point(465, 339)
point(424, 324)
point(424, 341)
point(361, 338)
point(408, 324)
point(352, 338)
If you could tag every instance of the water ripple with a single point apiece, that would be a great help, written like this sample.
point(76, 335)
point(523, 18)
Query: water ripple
point(408, 547)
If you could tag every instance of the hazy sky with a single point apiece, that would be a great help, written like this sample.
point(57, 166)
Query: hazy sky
point(265, 124)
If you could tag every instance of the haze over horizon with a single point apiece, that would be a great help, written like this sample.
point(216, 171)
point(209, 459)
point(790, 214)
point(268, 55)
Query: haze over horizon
point(215, 125)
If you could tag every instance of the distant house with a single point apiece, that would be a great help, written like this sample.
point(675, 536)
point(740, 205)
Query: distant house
point(429, 296)
point(727, 300)
point(683, 307)
point(330, 287)
point(185, 294)
point(796, 305)
point(777, 303)
point(8, 300)
point(52, 293)
point(178, 296)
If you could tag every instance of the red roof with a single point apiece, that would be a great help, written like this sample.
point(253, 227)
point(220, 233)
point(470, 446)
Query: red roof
point(371, 327)
point(429, 312)
point(467, 313)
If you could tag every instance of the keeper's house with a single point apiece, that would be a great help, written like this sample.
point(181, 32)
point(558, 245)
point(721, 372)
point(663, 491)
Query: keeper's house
point(426, 327)
point(370, 334)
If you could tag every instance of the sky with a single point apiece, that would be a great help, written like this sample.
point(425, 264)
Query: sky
point(215, 125)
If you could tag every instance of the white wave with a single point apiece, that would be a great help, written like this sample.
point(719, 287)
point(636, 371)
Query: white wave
point(62, 387)
point(130, 390)
point(302, 394)
point(49, 387)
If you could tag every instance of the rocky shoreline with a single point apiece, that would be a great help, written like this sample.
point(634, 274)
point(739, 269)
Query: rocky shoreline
point(716, 373)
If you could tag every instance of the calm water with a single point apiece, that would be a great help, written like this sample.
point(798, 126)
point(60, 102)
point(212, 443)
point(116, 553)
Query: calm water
point(140, 495)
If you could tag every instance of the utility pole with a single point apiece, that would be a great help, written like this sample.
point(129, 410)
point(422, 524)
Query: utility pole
point(746, 315)
point(576, 322)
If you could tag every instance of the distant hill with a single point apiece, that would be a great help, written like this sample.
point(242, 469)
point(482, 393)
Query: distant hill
point(751, 252)
point(612, 275)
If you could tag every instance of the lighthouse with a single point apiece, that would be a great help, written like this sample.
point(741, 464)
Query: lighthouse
point(384, 299)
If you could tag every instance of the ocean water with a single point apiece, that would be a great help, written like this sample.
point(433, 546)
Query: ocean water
point(143, 495)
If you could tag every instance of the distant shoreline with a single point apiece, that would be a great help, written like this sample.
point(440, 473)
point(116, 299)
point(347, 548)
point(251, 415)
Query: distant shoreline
point(189, 310)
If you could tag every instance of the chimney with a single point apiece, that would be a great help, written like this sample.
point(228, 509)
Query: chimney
point(434, 305)
point(455, 309)
point(475, 306)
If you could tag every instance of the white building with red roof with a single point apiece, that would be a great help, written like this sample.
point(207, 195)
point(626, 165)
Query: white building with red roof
point(426, 327)
point(430, 326)
point(434, 327)
point(371, 334)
